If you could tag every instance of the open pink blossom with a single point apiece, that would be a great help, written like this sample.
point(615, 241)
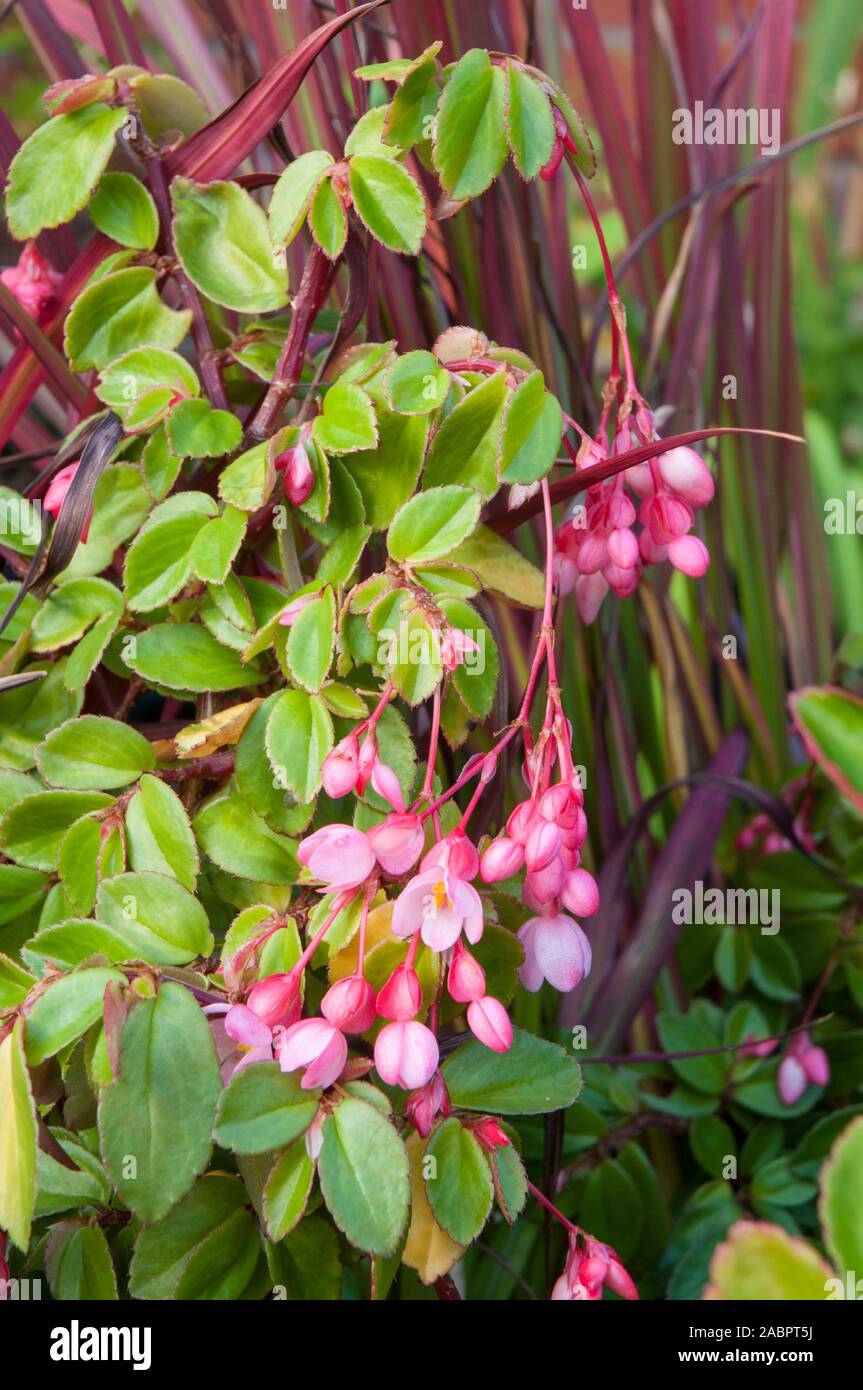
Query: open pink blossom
point(406, 1054)
point(240, 1037)
point(454, 852)
point(315, 1047)
point(489, 1021)
point(338, 855)
point(439, 906)
point(555, 949)
point(397, 843)
point(455, 646)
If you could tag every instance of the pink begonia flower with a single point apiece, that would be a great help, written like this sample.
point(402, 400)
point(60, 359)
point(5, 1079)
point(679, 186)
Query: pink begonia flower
point(804, 1064)
point(401, 997)
point(277, 999)
point(439, 906)
point(406, 1054)
point(466, 979)
point(292, 611)
point(555, 949)
point(490, 1134)
point(588, 1269)
point(349, 1004)
point(55, 494)
point(580, 893)
point(341, 768)
point(298, 479)
point(455, 646)
point(317, 1048)
point(489, 1021)
point(422, 1106)
point(397, 843)
point(454, 852)
point(32, 281)
point(503, 858)
point(689, 555)
point(340, 856)
point(245, 1033)
point(386, 784)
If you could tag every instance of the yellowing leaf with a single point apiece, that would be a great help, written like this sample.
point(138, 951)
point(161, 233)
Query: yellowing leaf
point(219, 731)
point(763, 1262)
point(428, 1249)
point(378, 929)
point(17, 1139)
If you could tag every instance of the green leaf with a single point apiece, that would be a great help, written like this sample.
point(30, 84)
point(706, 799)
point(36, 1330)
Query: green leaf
point(475, 679)
point(20, 889)
point(339, 561)
point(156, 1119)
point(64, 1189)
point(413, 656)
point(500, 568)
point(196, 430)
point(831, 726)
point(78, 863)
point(531, 433)
point(387, 475)
point(293, 193)
point(363, 1169)
point(54, 172)
point(94, 753)
point(79, 1265)
point(29, 712)
point(263, 1108)
point(689, 1033)
point(185, 656)
point(65, 1010)
point(774, 968)
point(347, 421)
point(160, 467)
point(142, 370)
point(248, 481)
point(459, 1185)
point(120, 504)
point(215, 546)
point(529, 123)
point(32, 829)
point(367, 135)
point(299, 736)
point(841, 1202)
point(415, 101)
point(433, 523)
point(762, 1262)
point(159, 561)
point(532, 1078)
point(389, 201)
point(224, 245)
point(163, 1251)
point(158, 834)
point(311, 642)
point(510, 1181)
point(17, 1139)
point(712, 1143)
point(159, 919)
point(287, 1190)
point(118, 312)
point(466, 448)
point(88, 653)
point(305, 1266)
point(610, 1207)
point(470, 133)
point(416, 384)
point(124, 210)
point(234, 836)
point(328, 219)
point(71, 609)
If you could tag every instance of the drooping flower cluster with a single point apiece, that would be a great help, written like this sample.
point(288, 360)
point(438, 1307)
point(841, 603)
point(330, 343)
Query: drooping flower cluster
point(589, 1267)
point(597, 547)
point(803, 1065)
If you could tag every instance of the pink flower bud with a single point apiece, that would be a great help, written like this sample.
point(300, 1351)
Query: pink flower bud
point(580, 893)
point(341, 767)
point(466, 979)
point(522, 821)
point(298, 479)
point(490, 1134)
point(593, 554)
point(687, 473)
point(689, 555)
point(338, 855)
point(503, 858)
point(367, 759)
point(423, 1105)
point(816, 1065)
point(387, 785)
point(791, 1079)
point(623, 548)
point(397, 843)
point(401, 997)
point(455, 853)
point(619, 1281)
point(543, 843)
point(620, 513)
point(349, 1004)
point(55, 493)
point(489, 1021)
point(640, 478)
point(276, 999)
point(32, 281)
point(406, 1054)
point(590, 591)
point(559, 805)
point(543, 886)
point(293, 610)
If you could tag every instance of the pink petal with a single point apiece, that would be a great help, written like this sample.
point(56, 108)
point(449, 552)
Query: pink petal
point(489, 1021)
point(302, 1043)
point(560, 953)
point(245, 1027)
point(329, 1063)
